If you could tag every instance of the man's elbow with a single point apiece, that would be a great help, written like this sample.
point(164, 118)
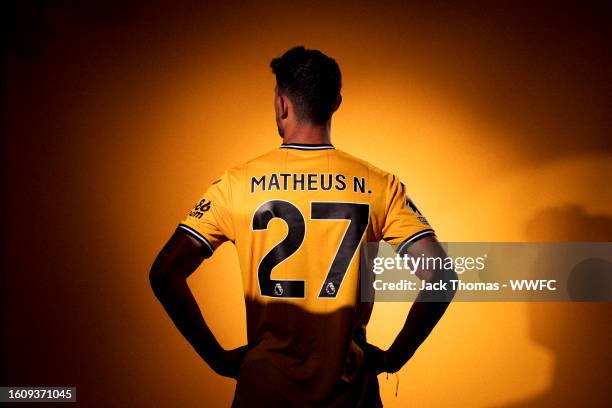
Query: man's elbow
point(444, 276)
point(159, 278)
point(451, 275)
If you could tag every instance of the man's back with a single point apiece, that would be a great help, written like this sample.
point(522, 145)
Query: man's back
point(298, 216)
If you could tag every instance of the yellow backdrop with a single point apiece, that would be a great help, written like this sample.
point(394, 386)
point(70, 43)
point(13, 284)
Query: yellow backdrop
point(119, 118)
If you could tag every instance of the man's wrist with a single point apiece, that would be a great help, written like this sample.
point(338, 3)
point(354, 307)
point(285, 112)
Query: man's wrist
point(394, 362)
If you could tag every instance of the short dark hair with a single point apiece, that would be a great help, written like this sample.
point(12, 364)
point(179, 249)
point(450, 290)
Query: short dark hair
point(312, 81)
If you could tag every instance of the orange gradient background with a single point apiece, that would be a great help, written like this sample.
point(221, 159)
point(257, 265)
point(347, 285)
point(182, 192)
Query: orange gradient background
point(118, 117)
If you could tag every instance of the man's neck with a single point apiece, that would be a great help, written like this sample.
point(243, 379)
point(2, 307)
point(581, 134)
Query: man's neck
point(308, 134)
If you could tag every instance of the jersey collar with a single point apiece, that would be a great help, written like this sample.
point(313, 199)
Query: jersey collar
point(307, 146)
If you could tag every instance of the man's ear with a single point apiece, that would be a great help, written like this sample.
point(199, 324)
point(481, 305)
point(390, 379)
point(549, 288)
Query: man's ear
point(283, 106)
point(338, 102)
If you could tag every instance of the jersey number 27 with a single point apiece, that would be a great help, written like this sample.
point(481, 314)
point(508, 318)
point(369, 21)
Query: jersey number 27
point(358, 214)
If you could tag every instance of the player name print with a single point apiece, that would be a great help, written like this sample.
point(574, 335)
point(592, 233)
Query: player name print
point(308, 182)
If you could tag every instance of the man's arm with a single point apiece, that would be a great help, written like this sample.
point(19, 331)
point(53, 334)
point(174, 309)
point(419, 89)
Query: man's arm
point(424, 314)
point(178, 259)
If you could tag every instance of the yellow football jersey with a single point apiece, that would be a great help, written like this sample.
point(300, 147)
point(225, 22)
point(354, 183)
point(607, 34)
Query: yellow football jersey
point(298, 217)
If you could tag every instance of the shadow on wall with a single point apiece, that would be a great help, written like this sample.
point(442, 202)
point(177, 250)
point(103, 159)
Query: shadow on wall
point(579, 334)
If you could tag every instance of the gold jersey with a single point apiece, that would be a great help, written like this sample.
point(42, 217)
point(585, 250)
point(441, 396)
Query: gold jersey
point(299, 216)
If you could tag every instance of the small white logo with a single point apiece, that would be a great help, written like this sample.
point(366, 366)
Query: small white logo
point(278, 289)
point(330, 288)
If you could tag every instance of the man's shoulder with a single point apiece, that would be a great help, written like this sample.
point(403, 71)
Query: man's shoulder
point(374, 171)
point(268, 158)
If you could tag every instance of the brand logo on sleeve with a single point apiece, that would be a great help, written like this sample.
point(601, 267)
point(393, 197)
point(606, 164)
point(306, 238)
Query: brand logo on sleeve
point(200, 208)
point(414, 208)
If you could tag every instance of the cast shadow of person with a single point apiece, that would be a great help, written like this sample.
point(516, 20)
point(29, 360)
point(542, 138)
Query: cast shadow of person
point(293, 358)
point(579, 334)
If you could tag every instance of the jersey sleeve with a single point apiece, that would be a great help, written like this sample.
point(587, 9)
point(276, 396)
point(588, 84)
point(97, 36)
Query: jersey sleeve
point(403, 223)
point(210, 221)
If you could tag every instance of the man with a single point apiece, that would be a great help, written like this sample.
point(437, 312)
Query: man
point(299, 216)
